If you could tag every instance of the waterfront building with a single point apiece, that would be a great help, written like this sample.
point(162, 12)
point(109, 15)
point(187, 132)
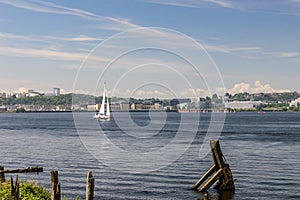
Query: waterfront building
point(91, 107)
point(32, 93)
point(182, 106)
point(175, 102)
point(242, 104)
point(56, 91)
point(124, 106)
point(295, 103)
point(132, 106)
point(3, 108)
point(147, 107)
point(157, 106)
point(138, 106)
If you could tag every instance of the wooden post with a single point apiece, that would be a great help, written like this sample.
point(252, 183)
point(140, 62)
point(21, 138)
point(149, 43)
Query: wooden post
point(226, 180)
point(204, 177)
point(55, 186)
point(25, 170)
point(14, 190)
point(211, 181)
point(217, 153)
point(2, 176)
point(17, 191)
point(90, 184)
point(58, 193)
point(221, 169)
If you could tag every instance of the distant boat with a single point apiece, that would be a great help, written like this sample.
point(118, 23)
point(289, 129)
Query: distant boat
point(102, 115)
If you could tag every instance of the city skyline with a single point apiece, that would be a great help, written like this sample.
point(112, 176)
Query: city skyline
point(254, 44)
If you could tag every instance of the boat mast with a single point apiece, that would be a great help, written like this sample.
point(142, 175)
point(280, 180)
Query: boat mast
point(107, 108)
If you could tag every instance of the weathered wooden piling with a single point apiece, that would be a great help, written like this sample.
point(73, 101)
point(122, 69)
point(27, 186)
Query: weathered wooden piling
point(90, 184)
point(2, 176)
point(55, 186)
point(25, 170)
point(220, 172)
point(14, 189)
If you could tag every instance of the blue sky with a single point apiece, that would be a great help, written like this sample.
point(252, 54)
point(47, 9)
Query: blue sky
point(255, 44)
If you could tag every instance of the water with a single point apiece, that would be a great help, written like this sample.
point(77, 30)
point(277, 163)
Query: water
point(262, 150)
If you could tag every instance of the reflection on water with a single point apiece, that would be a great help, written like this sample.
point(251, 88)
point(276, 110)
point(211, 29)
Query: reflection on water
point(219, 195)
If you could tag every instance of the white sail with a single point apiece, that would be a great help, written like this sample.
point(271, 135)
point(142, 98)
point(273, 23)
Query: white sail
point(107, 108)
point(101, 115)
point(101, 111)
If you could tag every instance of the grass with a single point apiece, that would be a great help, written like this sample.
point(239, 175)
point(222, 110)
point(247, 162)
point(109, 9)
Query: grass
point(28, 191)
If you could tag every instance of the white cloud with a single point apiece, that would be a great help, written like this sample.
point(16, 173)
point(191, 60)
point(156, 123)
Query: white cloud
point(222, 3)
point(48, 7)
point(194, 3)
point(14, 37)
point(227, 49)
point(238, 50)
point(80, 91)
point(289, 54)
point(148, 93)
point(287, 7)
point(21, 90)
point(193, 92)
point(258, 88)
point(79, 38)
point(48, 54)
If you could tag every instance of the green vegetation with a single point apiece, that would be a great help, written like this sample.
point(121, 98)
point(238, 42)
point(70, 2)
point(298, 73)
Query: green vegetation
point(20, 110)
point(267, 97)
point(270, 101)
point(28, 191)
point(38, 100)
point(65, 99)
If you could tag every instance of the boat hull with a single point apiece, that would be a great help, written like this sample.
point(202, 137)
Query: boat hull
point(102, 117)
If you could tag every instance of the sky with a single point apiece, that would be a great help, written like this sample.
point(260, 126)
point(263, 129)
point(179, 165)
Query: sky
point(143, 48)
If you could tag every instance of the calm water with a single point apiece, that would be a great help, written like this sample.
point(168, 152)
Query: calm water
point(262, 150)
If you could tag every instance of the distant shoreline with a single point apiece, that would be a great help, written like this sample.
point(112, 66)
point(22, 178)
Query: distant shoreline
point(239, 111)
point(78, 111)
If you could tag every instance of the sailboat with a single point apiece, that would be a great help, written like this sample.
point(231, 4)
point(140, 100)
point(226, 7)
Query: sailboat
point(102, 115)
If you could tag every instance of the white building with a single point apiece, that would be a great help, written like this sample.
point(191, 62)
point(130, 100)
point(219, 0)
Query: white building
point(32, 93)
point(56, 91)
point(182, 106)
point(295, 103)
point(242, 104)
point(91, 107)
point(3, 108)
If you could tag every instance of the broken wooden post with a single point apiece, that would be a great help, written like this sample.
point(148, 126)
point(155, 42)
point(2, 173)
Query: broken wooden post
point(2, 176)
point(90, 184)
point(25, 170)
point(220, 172)
point(14, 190)
point(55, 186)
point(204, 177)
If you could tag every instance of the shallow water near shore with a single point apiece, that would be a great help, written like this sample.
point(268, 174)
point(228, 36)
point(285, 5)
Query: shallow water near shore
point(262, 150)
